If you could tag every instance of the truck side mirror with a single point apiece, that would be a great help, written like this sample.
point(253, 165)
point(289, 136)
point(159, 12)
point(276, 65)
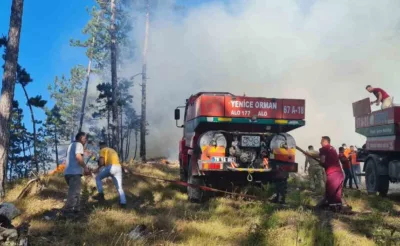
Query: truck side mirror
point(177, 114)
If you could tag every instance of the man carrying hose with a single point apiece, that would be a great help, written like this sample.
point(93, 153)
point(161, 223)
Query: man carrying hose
point(334, 175)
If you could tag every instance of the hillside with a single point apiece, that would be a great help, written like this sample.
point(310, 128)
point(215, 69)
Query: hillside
point(171, 220)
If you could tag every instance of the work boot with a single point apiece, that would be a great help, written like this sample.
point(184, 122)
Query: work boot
point(122, 205)
point(99, 197)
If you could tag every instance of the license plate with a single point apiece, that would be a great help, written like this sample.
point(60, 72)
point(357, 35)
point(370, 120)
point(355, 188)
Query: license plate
point(222, 159)
point(250, 141)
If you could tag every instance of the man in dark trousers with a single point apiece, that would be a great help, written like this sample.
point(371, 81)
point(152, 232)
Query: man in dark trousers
point(381, 97)
point(346, 168)
point(74, 168)
point(355, 165)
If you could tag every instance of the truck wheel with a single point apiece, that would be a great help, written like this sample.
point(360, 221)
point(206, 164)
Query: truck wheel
point(371, 177)
point(195, 195)
point(383, 185)
point(374, 181)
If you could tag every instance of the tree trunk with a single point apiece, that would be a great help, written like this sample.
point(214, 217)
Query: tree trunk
point(128, 143)
point(55, 142)
point(144, 81)
point(34, 130)
point(23, 139)
point(23, 150)
point(87, 83)
point(114, 79)
point(136, 144)
point(8, 84)
point(85, 95)
point(121, 147)
point(73, 120)
point(108, 128)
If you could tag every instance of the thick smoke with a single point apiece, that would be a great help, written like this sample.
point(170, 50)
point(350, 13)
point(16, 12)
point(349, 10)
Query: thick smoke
point(325, 52)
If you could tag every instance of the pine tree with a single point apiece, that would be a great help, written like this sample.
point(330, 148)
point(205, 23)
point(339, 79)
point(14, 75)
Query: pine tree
point(104, 107)
point(107, 33)
point(15, 140)
point(143, 120)
point(8, 84)
point(68, 94)
point(55, 129)
point(44, 155)
point(125, 100)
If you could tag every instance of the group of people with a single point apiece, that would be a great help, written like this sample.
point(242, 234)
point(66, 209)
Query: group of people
point(350, 165)
point(325, 172)
point(331, 171)
point(323, 167)
point(108, 166)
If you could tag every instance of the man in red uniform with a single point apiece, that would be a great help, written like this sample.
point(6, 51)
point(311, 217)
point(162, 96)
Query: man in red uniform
point(381, 97)
point(334, 175)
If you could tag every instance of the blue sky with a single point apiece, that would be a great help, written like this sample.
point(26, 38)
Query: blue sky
point(44, 47)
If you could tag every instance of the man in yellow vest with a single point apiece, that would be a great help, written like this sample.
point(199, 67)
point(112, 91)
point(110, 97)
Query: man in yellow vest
point(346, 151)
point(109, 166)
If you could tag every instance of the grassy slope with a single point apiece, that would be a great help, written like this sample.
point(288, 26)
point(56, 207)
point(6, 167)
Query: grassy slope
point(172, 220)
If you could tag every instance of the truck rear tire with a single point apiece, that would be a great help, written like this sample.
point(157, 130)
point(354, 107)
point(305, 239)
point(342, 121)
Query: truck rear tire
point(374, 181)
point(195, 195)
point(371, 176)
point(182, 173)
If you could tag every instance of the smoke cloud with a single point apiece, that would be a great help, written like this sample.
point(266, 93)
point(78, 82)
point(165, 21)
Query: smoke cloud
point(325, 52)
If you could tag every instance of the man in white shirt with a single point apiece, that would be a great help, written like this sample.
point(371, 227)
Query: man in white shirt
point(74, 168)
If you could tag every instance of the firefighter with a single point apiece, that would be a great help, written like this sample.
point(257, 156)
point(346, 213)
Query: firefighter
point(316, 173)
point(334, 174)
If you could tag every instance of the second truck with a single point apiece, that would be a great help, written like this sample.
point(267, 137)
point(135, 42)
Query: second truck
point(234, 140)
point(381, 152)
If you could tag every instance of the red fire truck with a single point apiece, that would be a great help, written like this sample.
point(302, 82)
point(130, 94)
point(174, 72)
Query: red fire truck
point(230, 139)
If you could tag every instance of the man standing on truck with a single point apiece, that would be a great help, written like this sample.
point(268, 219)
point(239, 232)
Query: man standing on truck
point(381, 97)
point(356, 168)
point(334, 175)
point(315, 171)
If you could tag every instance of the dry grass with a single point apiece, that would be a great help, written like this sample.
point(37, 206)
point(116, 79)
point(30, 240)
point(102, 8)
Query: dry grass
point(172, 220)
